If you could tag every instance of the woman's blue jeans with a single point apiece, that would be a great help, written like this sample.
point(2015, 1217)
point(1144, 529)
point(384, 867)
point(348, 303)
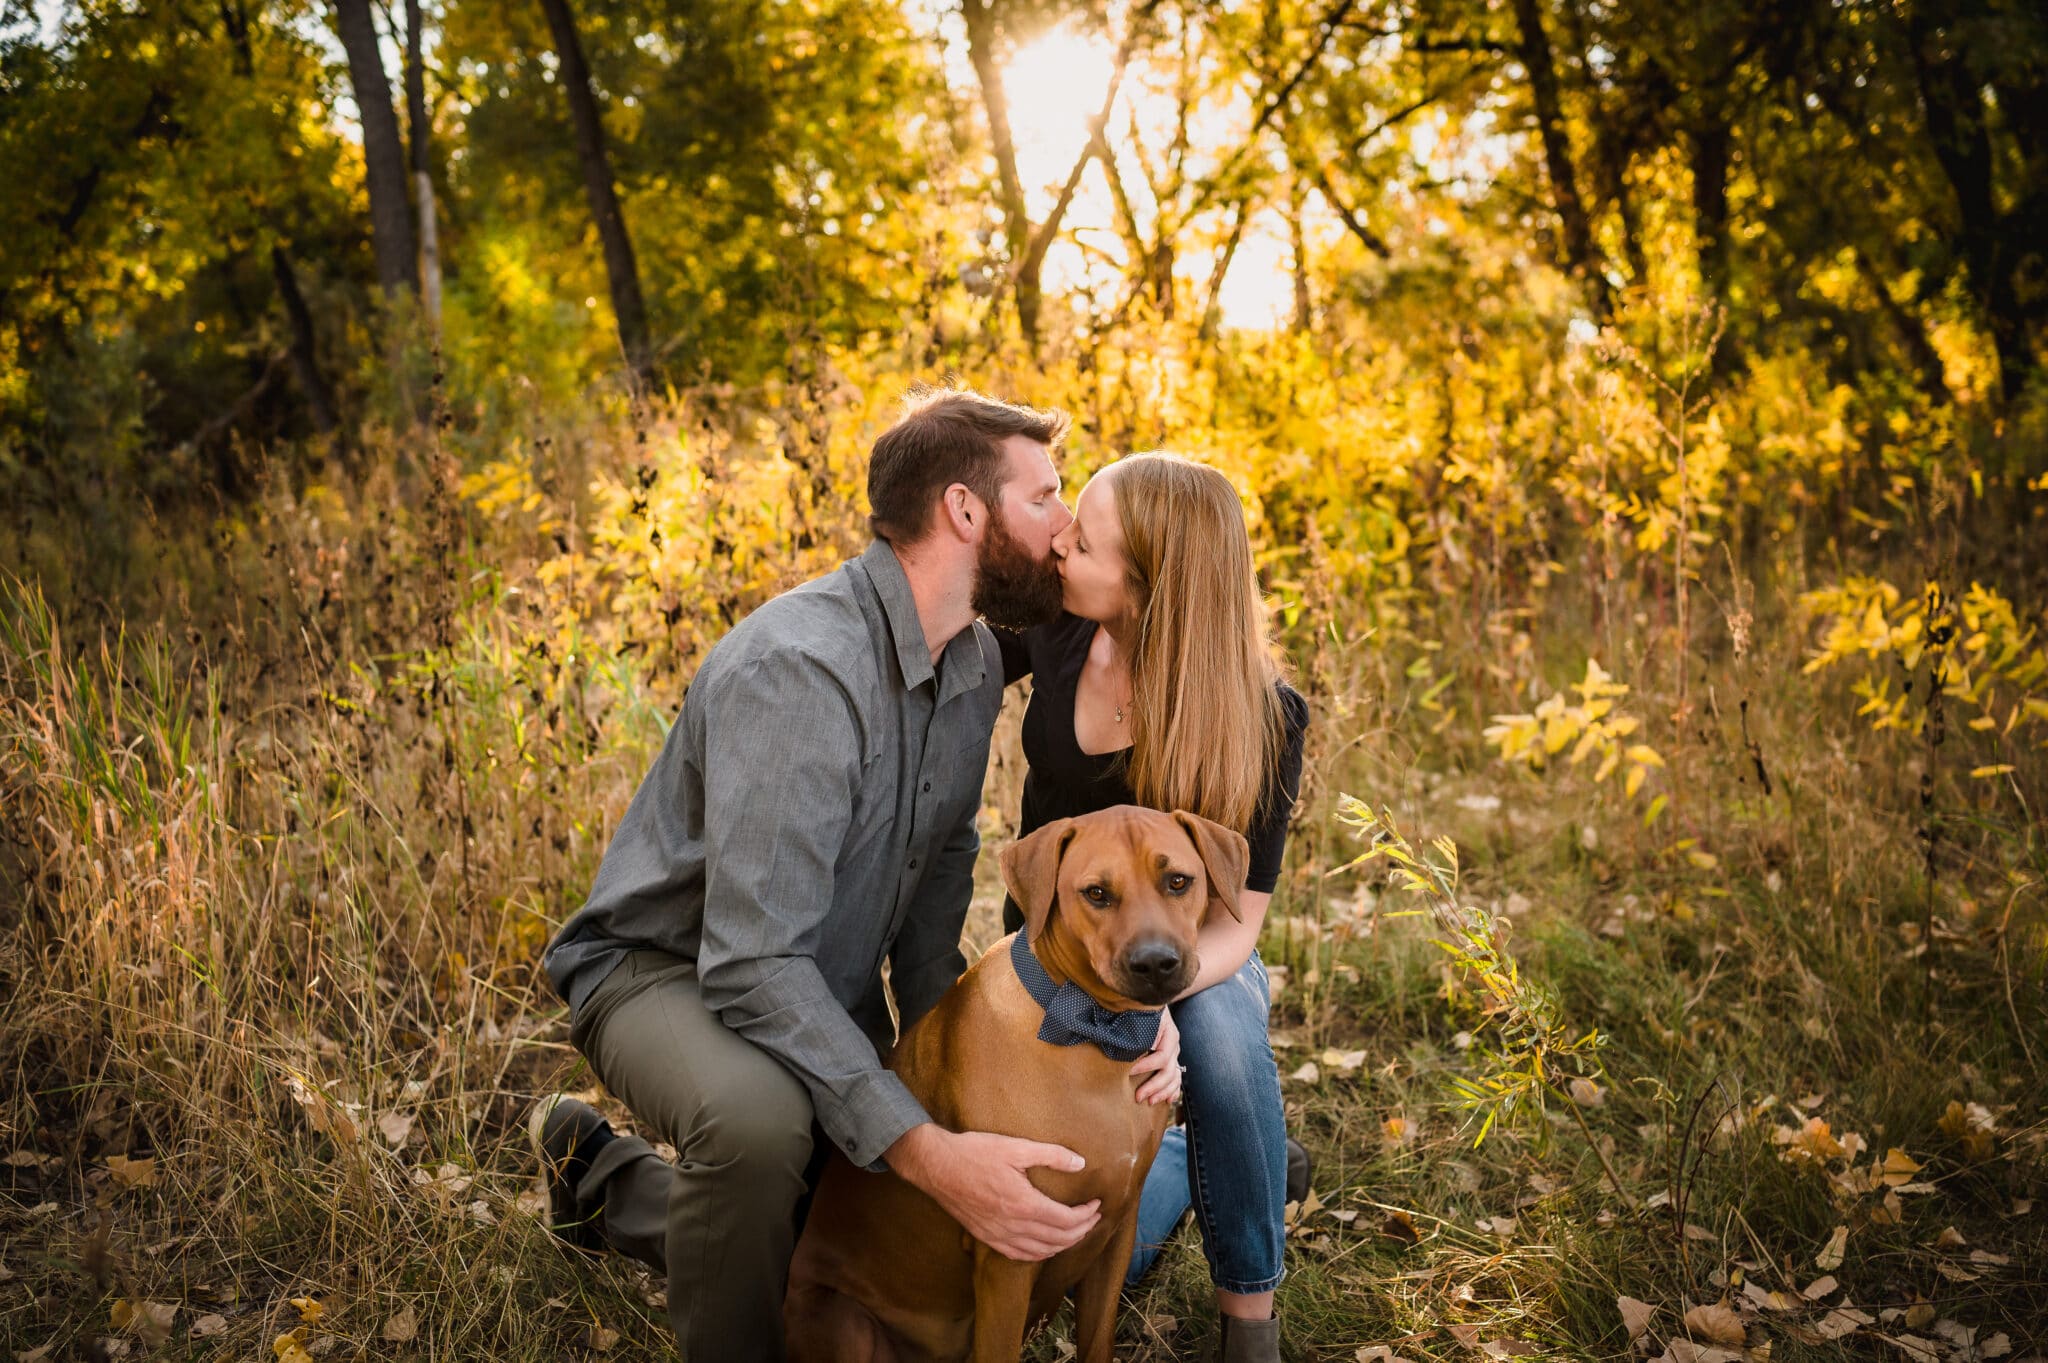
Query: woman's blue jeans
point(1229, 1159)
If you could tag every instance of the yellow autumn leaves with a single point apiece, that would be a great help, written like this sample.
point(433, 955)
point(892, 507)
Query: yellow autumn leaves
point(1993, 668)
point(1587, 726)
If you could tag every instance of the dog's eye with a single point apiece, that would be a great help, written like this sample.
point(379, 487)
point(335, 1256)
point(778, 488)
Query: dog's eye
point(1096, 895)
point(1178, 883)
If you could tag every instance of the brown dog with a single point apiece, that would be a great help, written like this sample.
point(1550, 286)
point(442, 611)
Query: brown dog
point(1111, 902)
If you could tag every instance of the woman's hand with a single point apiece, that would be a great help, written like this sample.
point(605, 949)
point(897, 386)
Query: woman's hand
point(1158, 1070)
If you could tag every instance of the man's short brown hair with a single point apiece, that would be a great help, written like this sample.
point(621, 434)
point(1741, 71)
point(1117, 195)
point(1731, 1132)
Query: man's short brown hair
point(946, 436)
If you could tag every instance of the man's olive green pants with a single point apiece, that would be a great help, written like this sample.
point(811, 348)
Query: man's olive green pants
point(721, 1222)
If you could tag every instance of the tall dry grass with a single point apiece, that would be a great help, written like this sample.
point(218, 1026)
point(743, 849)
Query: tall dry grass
point(279, 860)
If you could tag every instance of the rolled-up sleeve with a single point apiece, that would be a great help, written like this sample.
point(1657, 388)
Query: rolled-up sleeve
point(782, 759)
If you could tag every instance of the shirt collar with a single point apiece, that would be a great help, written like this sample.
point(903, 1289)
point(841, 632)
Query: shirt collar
point(965, 665)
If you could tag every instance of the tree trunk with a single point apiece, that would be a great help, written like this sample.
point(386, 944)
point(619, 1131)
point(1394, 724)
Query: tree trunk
point(1304, 304)
point(319, 396)
point(1957, 127)
point(383, 154)
point(1610, 152)
point(1580, 256)
point(628, 307)
point(1212, 312)
point(1912, 331)
point(980, 19)
point(422, 130)
point(1711, 146)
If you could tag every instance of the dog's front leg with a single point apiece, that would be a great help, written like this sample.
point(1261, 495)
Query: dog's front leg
point(1100, 1289)
point(1002, 1305)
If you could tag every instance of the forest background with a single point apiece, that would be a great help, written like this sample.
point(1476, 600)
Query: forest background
point(1640, 414)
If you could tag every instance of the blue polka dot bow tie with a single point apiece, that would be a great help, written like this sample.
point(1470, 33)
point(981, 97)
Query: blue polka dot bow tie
point(1071, 1017)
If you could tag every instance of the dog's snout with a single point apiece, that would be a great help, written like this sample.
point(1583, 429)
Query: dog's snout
point(1157, 959)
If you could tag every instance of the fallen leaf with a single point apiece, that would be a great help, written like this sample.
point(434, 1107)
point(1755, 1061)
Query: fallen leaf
point(1998, 1346)
point(1954, 1274)
point(1898, 1167)
point(1920, 1315)
point(1972, 1126)
point(208, 1326)
point(323, 1114)
point(1916, 1349)
point(1956, 1334)
point(1717, 1324)
point(1497, 1225)
point(1467, 1335)
point(1812, 1144)
point(288, 1349)
point(1378, 1353)
point(1401, 1226)
point(132, 1173)
point(402, 1326)
point(1819, 1287)
point(35, 1355)
point(1986, 1257)
point(1754, 1293)
point(1397, 1130)
point(1842, 1322)
point(1307, 1074)
point(394, 1127)
point(1950, 1238)
point(1830, 1257)
point(602, 1339)
point(1685, 1351)
point(1635, 1316)
point(310, 1309)
point(148, 1320)
point(1586, 1093)
point(1889, 1212)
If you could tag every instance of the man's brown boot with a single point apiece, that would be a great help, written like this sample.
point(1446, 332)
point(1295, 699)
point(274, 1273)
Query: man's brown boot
point(1247, 1341)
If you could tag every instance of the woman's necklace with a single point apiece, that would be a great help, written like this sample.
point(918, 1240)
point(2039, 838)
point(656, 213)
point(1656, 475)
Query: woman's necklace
point(1109, 675)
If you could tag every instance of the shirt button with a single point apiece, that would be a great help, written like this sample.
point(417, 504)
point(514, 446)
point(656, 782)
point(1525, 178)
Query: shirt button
point(927, 787)
point(913, 863)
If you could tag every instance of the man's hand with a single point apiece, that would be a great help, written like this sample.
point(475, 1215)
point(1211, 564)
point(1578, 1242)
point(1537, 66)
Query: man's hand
point(979, 1179)
point(1158, 1070)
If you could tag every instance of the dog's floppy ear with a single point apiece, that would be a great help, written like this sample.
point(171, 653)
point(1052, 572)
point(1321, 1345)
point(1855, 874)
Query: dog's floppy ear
point(1031, 871)
point(1226, 856)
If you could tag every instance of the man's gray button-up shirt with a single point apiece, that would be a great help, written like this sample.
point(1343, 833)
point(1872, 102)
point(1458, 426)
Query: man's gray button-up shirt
point(811, 814)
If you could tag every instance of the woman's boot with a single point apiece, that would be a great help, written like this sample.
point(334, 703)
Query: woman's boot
point(1247, 1341)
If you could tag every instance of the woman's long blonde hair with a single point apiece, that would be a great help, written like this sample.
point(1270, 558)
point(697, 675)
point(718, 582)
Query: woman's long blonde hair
point(1206, 724)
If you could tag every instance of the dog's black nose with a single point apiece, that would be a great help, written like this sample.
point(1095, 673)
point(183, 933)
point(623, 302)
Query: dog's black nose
point(1154, 960)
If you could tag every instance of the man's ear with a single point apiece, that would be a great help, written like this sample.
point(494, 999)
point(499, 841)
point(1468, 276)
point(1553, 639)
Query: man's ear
point(963, 512)
point(1031, 872)
point(1226, 857)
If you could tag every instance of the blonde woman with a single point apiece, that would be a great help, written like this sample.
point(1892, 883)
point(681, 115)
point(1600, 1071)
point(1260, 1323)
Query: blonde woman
point(1158, 686)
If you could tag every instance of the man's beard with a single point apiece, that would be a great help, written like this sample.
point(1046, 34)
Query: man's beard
point(1013, 590)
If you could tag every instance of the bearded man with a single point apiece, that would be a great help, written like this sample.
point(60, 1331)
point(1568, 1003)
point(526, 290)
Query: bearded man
point(811, 816)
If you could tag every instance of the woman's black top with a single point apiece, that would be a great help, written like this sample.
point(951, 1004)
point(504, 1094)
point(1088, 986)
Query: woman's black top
point(1064, 782)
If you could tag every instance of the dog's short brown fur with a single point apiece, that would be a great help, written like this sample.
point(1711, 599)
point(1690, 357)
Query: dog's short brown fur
point(883, 1274)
